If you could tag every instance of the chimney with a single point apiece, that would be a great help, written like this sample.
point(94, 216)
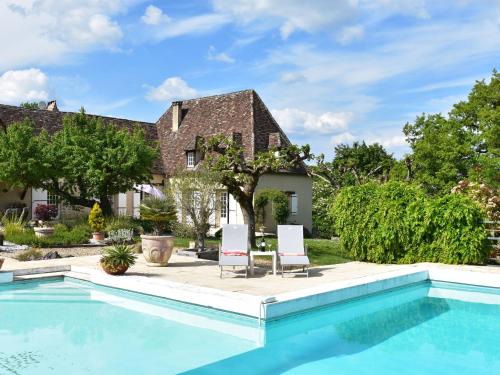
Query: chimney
point(176, 115)
point(52, 106)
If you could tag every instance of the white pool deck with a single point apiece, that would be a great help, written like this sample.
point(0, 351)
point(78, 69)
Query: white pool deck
point(263, 295)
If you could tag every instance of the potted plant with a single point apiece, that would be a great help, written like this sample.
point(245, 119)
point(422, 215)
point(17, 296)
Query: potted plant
point(44, 214)
point(97, 222)
point(161, 212)
point(117, 259)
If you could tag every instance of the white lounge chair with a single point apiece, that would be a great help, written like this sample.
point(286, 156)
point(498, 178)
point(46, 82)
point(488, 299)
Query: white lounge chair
point(291, 249)
point(234, 248)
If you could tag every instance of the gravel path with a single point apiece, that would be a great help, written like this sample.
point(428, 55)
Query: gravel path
point(63, 251)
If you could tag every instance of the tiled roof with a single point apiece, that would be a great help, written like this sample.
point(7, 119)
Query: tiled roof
point(52, 121)
point(239, 114)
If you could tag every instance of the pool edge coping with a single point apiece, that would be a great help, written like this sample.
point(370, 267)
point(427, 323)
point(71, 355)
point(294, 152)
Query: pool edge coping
point(279, 305)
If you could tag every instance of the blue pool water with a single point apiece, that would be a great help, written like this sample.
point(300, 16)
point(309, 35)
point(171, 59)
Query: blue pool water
point(69, 327)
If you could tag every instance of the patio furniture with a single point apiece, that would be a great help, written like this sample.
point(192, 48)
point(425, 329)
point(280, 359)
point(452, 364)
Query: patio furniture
point(234, 248)
point(291, 249)
point(262, 253)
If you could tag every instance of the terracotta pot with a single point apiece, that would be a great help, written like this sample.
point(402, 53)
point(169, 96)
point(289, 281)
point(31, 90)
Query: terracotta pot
point(1, 262)
point(111, 270)
point(43, 231)
point(157, 250)
point(98, 236)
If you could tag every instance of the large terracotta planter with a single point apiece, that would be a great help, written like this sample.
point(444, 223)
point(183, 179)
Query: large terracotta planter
point(157, 250)
point(43, 231)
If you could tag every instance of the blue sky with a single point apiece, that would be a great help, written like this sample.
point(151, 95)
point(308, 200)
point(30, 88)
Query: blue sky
point(330, 71)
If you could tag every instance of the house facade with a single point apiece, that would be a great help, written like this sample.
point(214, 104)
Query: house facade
point(244, 117)
point(241, 115)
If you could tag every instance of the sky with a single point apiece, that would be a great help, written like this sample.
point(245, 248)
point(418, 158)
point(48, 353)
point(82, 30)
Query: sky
point(330, 71)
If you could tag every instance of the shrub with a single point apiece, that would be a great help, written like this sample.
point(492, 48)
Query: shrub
point(396, 222)
point(123, 222)
point(280, 205)
point(353, 218)
point(30, 254)
point(160, 212)
point(450, 230)
point(121, 235)
point(46, 212)
point(323, 197)
point(62, 236)
point(96, 219)
point(183, 230)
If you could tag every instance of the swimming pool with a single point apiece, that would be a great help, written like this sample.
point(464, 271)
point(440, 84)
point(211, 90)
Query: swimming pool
point(71, 327)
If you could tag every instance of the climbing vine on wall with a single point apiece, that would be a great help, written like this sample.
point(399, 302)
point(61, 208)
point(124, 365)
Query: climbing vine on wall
point(280, 205)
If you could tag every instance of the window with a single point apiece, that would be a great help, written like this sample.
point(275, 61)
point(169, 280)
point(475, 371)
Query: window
point(294, 204)
point(190, 159)
point(223, 205)
point(52, 199)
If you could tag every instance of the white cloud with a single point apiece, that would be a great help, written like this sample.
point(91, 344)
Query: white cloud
point(213, 55)
point(312, 16)
point(433, 46)
point(288, 15)
point(173, 88)
point(350, 33)
point(388, 141)
point(18, 86)
point(294, 120)
point(154, 16)
point(345, 137)
point(163, 27)
point(46, 31)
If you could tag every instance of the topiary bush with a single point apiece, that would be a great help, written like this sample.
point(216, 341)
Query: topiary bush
point(397, 223)
point(96, 219)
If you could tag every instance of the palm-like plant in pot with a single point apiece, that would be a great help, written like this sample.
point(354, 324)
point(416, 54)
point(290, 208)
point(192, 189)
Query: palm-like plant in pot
point(161, 212)
point(117, 259)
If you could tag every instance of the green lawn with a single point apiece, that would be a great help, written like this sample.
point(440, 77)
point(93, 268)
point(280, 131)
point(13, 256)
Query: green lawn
point(321, 252)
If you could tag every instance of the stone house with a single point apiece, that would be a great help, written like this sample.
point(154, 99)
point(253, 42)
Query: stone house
point(241, 115)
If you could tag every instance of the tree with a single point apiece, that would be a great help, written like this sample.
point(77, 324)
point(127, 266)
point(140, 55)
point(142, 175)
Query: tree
point(86, 161)
point(196, 197)
point(442, 153)
point(29, 105)
point(351, 165)
point(354, 165)
point(240, 174)
point(466, 144)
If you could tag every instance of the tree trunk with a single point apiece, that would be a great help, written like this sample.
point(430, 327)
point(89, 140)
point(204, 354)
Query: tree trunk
point(249, 217)
point(105, 204)
point(200, 238)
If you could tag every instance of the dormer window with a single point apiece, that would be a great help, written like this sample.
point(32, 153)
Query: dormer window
point(190, 159)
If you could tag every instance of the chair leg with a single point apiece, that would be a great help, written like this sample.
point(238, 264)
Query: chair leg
point(246, 272)
point(221, 272)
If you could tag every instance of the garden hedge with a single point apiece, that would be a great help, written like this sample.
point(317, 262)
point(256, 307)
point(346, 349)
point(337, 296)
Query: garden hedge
point(397, 223)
